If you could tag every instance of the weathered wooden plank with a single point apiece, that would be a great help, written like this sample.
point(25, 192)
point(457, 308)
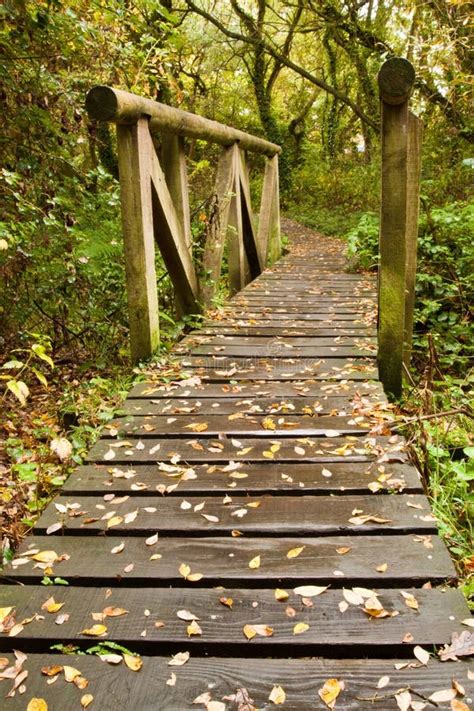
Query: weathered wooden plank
point(225, 561)
point(196, 388)
point(276, 350)
point(339, 405)
point(279, 425)
point(134, 157)
point(275, 515)
point(328, 628)
point(222, 677)
point(214, 338)
point(211, 328)
point(266, 314)
point(200, 448)
point(269, 478)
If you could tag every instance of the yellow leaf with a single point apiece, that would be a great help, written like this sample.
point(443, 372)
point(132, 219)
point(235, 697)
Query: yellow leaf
point(300, 627)
point(382, 568)
point(184, 570)
point(45, 556)
point(132, 662)
point(249, 632)
point(255, 562)
point(226, 601)
point(268, 455)
point(193, 629)
point(197, 426)
point(70, 673)
point(294, 552)
point(281, 595)
point(51, 605)
point(86, 700)
point(194, 577)
point(410, 600)
point(268, 424)
point(4, 612)
point(343, 550)
point(275, 448)
point(114, 521)
point(330, 691)
point(37, 705)
point(114, 611)
point(277, 695)
point(95, 631)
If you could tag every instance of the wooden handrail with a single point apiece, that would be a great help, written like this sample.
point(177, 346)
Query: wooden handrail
point(104, 103)
point(401, 133)
point(155, 207)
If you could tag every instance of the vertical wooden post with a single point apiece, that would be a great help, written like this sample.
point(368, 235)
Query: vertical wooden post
point(252, 264)
point(269, 239)
point(415, 132)
point(235, 245)
point(134, 159)
point(173, 160)
point(398, 226)
point(219, 225)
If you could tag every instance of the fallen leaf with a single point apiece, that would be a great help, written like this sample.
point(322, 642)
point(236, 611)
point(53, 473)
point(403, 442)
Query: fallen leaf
point(410, 600)
point(177, 660)
point(114, 521)
point(330, 691)
point(52, 670)
point(172, 680)
point(86, 700)
point(51, 605)
point(186, 615)
point(382, 568)
point(462, 645)
point(203, 699)
point(118, 549)
point(134, 663)
point(310, 590)
point(250, 631)
point(421, 654)
point(197, 426)
point(443, 695)
point(226, 601)
point(295, 552)
point(281, 595)
point(184, 570)
point(343, 550)
point(37, 705)
point(151, 540)
point(457, 705)
point(268, 424)
point(193, 629)
point(300, 627)
point(62, 448)
point(194, 577)
point(45, 556)
point(95, 631)
point(403, 700)
point(383, 682)
point(114, 611)
point(71, 673)
point(277, 695)
point(255, 562)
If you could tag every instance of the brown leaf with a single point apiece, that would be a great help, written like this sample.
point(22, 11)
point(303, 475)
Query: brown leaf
point(462, 645)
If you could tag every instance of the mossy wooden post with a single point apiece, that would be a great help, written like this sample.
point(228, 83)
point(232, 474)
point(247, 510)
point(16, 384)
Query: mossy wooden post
point(134, 159)
point(269, 239)
point(397, 224)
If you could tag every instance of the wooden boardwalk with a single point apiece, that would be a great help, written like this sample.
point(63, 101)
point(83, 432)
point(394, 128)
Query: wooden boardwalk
point(253, 525)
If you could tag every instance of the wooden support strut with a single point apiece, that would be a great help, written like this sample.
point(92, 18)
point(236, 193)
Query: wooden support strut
point(401, 142)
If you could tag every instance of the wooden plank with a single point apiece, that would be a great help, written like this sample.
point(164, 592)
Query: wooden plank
point(276, 350)
point(280, 368)
point(281, 478)
point(275, 515)
point(272, 426)
point(134, 158)
point(328, 628)
point(199, 448)
point(211, 328)
point(225, 561)
point(172, 241)
point(299, 315)
point(214, 338)
point(228, 406)
point(200, 389)
point(300, 678)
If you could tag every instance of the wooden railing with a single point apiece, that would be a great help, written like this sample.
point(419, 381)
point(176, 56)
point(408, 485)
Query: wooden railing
point(155, 207)
point(401, 133)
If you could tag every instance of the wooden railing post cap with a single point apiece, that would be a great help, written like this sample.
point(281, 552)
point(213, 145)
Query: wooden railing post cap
point(395, 79)
point(102, 103)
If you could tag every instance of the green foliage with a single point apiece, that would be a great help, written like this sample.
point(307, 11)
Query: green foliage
point(444, 285)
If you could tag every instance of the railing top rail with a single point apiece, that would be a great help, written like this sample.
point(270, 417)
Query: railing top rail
point(107, 104)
